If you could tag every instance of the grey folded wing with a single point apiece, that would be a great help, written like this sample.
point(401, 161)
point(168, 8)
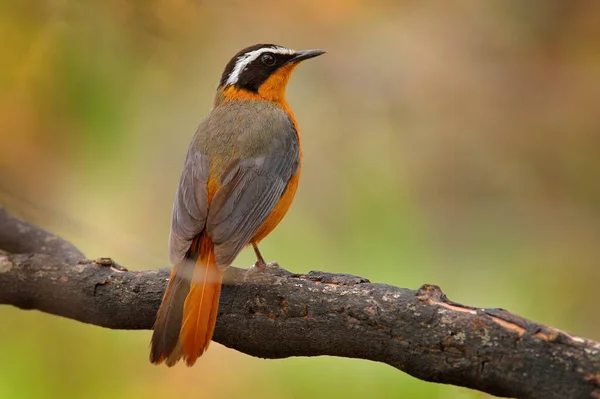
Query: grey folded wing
point(249, 192)
point(190, 208)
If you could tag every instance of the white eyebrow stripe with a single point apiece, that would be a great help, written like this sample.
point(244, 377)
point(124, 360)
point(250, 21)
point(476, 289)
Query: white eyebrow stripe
point(244, 60)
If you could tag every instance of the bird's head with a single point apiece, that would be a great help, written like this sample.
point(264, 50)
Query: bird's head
point(262, 71)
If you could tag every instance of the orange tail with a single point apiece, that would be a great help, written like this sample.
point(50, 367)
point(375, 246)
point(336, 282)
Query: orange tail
point(201, 304)
point(188, 313)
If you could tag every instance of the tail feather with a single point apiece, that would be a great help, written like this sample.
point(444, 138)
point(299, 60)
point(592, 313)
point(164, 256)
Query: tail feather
point(172, 359)
point(187, 316)
point(201, 305)
point(167, 327)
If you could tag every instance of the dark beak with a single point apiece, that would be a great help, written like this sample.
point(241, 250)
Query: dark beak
point(306, 54)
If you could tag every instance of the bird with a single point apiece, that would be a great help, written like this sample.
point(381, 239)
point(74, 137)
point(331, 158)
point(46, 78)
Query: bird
point(239, 179)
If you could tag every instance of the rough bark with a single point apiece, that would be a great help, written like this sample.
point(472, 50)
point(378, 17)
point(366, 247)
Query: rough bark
point(278, 314)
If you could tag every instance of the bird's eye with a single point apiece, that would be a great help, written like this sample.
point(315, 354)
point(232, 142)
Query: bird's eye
point(268, 59)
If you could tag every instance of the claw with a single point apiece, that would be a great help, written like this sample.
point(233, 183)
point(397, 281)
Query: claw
point(260, 267)
point(108, 262)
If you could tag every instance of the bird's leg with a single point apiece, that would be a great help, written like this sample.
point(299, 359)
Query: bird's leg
point(260, 261)
point(260, 266)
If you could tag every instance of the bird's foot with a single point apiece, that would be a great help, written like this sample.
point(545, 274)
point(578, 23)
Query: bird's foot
point(104, 262)
point(261, 267)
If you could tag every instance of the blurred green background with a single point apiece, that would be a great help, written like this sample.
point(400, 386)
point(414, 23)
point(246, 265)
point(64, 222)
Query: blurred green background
point(455, 143)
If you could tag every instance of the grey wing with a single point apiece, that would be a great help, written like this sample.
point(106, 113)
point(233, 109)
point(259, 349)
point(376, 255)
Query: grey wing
point(249, 191)
point(190, 208)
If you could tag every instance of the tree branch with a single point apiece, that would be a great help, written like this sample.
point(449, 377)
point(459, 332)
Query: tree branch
point(278, 314)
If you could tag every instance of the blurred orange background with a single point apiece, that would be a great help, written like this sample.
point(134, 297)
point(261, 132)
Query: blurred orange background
point(454, 143)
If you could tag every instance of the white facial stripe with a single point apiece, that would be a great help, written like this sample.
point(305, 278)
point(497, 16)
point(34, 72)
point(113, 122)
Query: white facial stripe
point(244, 60)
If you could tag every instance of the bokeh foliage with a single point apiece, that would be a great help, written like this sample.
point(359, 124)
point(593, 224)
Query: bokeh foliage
point(455, 143)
